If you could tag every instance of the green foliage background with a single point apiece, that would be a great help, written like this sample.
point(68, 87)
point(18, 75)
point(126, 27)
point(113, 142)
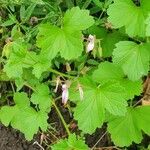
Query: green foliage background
point(39, 37)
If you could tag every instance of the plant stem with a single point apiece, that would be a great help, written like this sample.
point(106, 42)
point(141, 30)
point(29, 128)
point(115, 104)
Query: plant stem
point(61, 117)
point(13, 89)
point(61, 74)
point(57, 98)
point(99, 140)
point(137, 102)
point(30, 87)
point(86, 4)
point(59, 113)
point(100, 16)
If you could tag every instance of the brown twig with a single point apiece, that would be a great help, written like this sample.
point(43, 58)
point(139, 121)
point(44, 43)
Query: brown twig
point(99, 140)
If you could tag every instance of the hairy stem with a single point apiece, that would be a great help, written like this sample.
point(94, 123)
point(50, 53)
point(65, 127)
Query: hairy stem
point(61, 117)
point(57, 109)
point(61, 74)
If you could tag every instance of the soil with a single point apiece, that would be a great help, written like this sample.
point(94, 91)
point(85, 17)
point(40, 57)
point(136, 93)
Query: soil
point(11, 139)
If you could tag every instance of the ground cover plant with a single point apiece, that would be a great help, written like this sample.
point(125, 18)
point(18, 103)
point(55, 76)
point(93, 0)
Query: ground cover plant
point(86, 60)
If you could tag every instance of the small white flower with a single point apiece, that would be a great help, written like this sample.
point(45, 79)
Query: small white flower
point(91, 38)
point(65, 94)
point(80, 91)
point(91, 43)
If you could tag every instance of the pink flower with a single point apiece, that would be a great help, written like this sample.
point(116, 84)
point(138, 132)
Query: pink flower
point(65, 94)
point(91, 43)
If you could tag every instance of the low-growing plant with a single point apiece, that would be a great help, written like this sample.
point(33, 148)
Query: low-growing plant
point(98, 52)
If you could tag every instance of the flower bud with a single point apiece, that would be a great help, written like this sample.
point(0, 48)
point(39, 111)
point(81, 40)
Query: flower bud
point(65, 94)
point(91, 43)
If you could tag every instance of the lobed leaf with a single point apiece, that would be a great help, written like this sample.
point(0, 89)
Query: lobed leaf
point(52, 40)
point(127, 129)
point(124, 13)
point(23, 117)
point(66, 40)
point(41, 97)
point(108, 71)
point(76, 19)
point(71, 143)
point(133, 58)
point(90, 112)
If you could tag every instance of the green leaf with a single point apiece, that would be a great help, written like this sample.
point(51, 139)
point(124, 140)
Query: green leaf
point(42, 97)
point(25, 80)
point(148, 26)
point(53, 40)
point(108, 39)
point(98, 3)
point(29, 11)
point(42, 65)
point(69, 3)
point(71, 143)
point(23, 117)
point(108, 71)
point(21, 100)
point(7, 114)
point(22, 12)
point(76, 19)
point(66, 40)
point(39, 63)
point(124, 13)
point(127, 129)
point(8, 23)
point(18, 58)
point(16, 32)
point(133, 58)
point(108, 42)
point(14, 65)
point(7, 49)
point(97, 98)
point(3, 76)
point(12, 20)
point(145, 5)
point(31, 119)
